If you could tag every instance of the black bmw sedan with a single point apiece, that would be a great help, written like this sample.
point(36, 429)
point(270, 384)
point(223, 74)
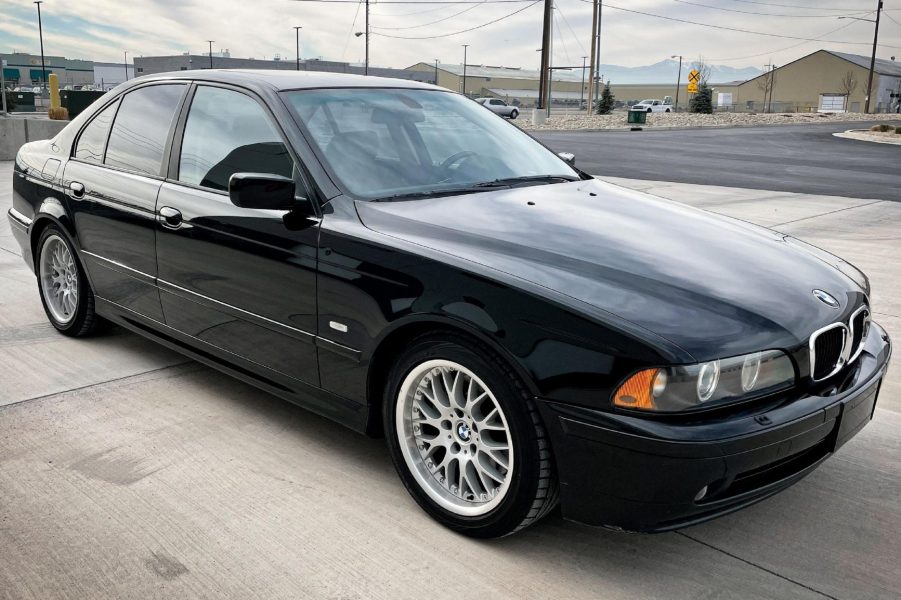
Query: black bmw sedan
point(399, 259)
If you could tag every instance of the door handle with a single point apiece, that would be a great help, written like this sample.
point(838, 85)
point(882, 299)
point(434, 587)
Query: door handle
point(77, 189)
point(171, 216)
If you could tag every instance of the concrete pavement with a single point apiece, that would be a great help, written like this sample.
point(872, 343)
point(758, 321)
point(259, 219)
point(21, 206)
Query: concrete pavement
point(128, 472)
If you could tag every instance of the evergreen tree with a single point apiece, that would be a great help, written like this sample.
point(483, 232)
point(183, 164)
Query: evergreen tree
point(702, 102)
point(604, 105)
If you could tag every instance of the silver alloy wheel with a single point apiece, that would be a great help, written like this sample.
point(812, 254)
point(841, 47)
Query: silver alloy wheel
point(59, 279)
point(454, 437)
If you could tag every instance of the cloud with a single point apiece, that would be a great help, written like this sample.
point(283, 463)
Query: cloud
point(104, 29)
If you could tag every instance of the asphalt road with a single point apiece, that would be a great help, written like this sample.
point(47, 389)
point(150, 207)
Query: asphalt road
point(792, 158)
point(127, 471)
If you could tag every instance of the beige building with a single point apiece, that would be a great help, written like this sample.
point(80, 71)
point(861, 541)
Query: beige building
point(822, 81)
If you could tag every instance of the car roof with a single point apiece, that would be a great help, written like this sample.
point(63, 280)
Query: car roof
point(288, 80)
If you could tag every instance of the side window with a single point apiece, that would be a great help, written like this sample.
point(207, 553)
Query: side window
point(142, 124)
point(92, 140)
point(229, 132)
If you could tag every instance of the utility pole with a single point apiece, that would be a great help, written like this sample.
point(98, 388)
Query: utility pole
point(545, 54)
point(436, 71)
point(211, 52)
point(2, 88)
point(678, 81)
point(769, 107)
point(582, 87)
point(126, 65)
point(366, 68)
point(465, 46)
point(873, 58)
point(41, 35)
point(297, 45)
point(597, 66)
point(594, 50)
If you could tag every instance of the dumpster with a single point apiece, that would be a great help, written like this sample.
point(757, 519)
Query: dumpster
point(638, 117)
point(24, 101)
point(76, 101)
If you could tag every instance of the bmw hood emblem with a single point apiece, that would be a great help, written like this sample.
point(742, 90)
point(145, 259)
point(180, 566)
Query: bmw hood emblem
point(826, 298)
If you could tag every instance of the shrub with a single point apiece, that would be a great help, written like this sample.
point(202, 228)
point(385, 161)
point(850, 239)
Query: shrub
point(898, 129)
point(702, 102)
point(882, 128)
point(58, 113)
point(605, 103)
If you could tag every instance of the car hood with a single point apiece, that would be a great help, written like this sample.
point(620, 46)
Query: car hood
point(712, 285)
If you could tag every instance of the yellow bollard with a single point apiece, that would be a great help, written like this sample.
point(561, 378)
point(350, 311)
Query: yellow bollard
point(56, 112)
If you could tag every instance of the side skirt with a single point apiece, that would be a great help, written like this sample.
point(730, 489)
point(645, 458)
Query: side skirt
point(341, 410)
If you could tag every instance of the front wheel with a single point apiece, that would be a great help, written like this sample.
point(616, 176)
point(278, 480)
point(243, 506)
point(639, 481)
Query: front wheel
point(649, 110)
point(466, 438)
point(65, 292)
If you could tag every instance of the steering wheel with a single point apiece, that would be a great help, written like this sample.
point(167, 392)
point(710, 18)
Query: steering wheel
point(456, 159)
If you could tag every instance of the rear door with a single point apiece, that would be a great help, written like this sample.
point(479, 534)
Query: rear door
point(113, 178)
point(239, 280)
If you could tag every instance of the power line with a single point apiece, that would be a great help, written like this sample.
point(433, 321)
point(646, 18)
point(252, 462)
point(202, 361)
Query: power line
point(443, 35)
point(735, 29)
point(763, 14)
point(847, 10)
point(559, 32)
point(456, 14)
point(565, 20)
point(891, 18)
point(352, 27)
point(830, 32)
point(422, 1)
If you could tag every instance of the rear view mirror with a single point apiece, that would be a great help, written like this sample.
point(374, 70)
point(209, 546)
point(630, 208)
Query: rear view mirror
point(262, 191)
point(568, 157)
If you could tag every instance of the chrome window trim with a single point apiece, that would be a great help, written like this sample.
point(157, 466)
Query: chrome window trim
point(812, 352)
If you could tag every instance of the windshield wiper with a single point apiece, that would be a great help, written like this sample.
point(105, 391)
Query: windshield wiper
point(433, 193)
point(511, 181)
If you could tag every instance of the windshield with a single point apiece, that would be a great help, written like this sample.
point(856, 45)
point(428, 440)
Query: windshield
point(646, 102)
point(381, 143)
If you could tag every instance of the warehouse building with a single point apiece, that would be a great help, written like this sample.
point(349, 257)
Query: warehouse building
point(823, 81)
point(148, 65)
point(24, 70)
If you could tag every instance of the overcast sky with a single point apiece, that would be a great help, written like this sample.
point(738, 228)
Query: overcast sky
point(102, 29)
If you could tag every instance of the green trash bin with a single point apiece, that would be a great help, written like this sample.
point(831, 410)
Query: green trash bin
point(24, 101)
point(638, 117)
point(76, 101)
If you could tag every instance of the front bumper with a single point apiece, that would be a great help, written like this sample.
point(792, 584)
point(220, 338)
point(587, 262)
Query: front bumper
point(646, 475)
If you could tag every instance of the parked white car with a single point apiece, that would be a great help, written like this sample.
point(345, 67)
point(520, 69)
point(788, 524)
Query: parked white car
point(498, 106)
point(653, 106)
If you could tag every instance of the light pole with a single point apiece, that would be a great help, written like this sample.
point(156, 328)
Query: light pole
point(436, 71)
point(866, 108)
point(465, 46)
point(126, 65)
point(678, 81)
point(297, 44)
point(582, 88)
point(359, 33)
point(41, 35)
point(211, 52)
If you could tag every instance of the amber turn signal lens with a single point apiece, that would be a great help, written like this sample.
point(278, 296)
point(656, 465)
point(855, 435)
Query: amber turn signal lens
point(637, 391)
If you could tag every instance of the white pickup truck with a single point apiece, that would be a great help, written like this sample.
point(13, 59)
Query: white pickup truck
point(653, 106)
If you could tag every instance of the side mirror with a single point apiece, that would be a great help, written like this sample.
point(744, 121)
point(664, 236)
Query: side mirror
point(262, 191)
point(568, 157)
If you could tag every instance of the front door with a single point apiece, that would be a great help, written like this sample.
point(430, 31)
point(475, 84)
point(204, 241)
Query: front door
point(113, 178)
point(236, 279)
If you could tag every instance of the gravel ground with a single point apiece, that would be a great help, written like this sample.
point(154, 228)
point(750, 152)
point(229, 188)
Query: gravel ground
point(882, 137)
point(618, 120)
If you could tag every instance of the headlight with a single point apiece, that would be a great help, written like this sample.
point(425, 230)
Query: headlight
point(673, 389)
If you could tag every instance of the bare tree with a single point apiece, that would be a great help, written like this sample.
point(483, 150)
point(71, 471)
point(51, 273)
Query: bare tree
point(702, 68)
point(847, 85)
point(766, 83)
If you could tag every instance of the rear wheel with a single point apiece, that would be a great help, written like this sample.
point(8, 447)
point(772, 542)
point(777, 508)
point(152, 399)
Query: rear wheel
point(64, 289)
point(514, 114)
point(466, 438)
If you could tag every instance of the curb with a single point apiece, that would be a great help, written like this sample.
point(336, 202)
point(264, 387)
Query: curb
point(688, 127)
point(876, 140)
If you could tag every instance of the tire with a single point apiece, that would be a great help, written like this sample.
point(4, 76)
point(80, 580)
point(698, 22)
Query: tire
point(498, 493)
point(649, 110)
point(62, 285)
point(514, 114)
point(668, 110)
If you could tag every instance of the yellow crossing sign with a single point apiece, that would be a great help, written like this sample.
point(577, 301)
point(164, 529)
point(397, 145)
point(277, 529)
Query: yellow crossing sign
point(694, 78)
